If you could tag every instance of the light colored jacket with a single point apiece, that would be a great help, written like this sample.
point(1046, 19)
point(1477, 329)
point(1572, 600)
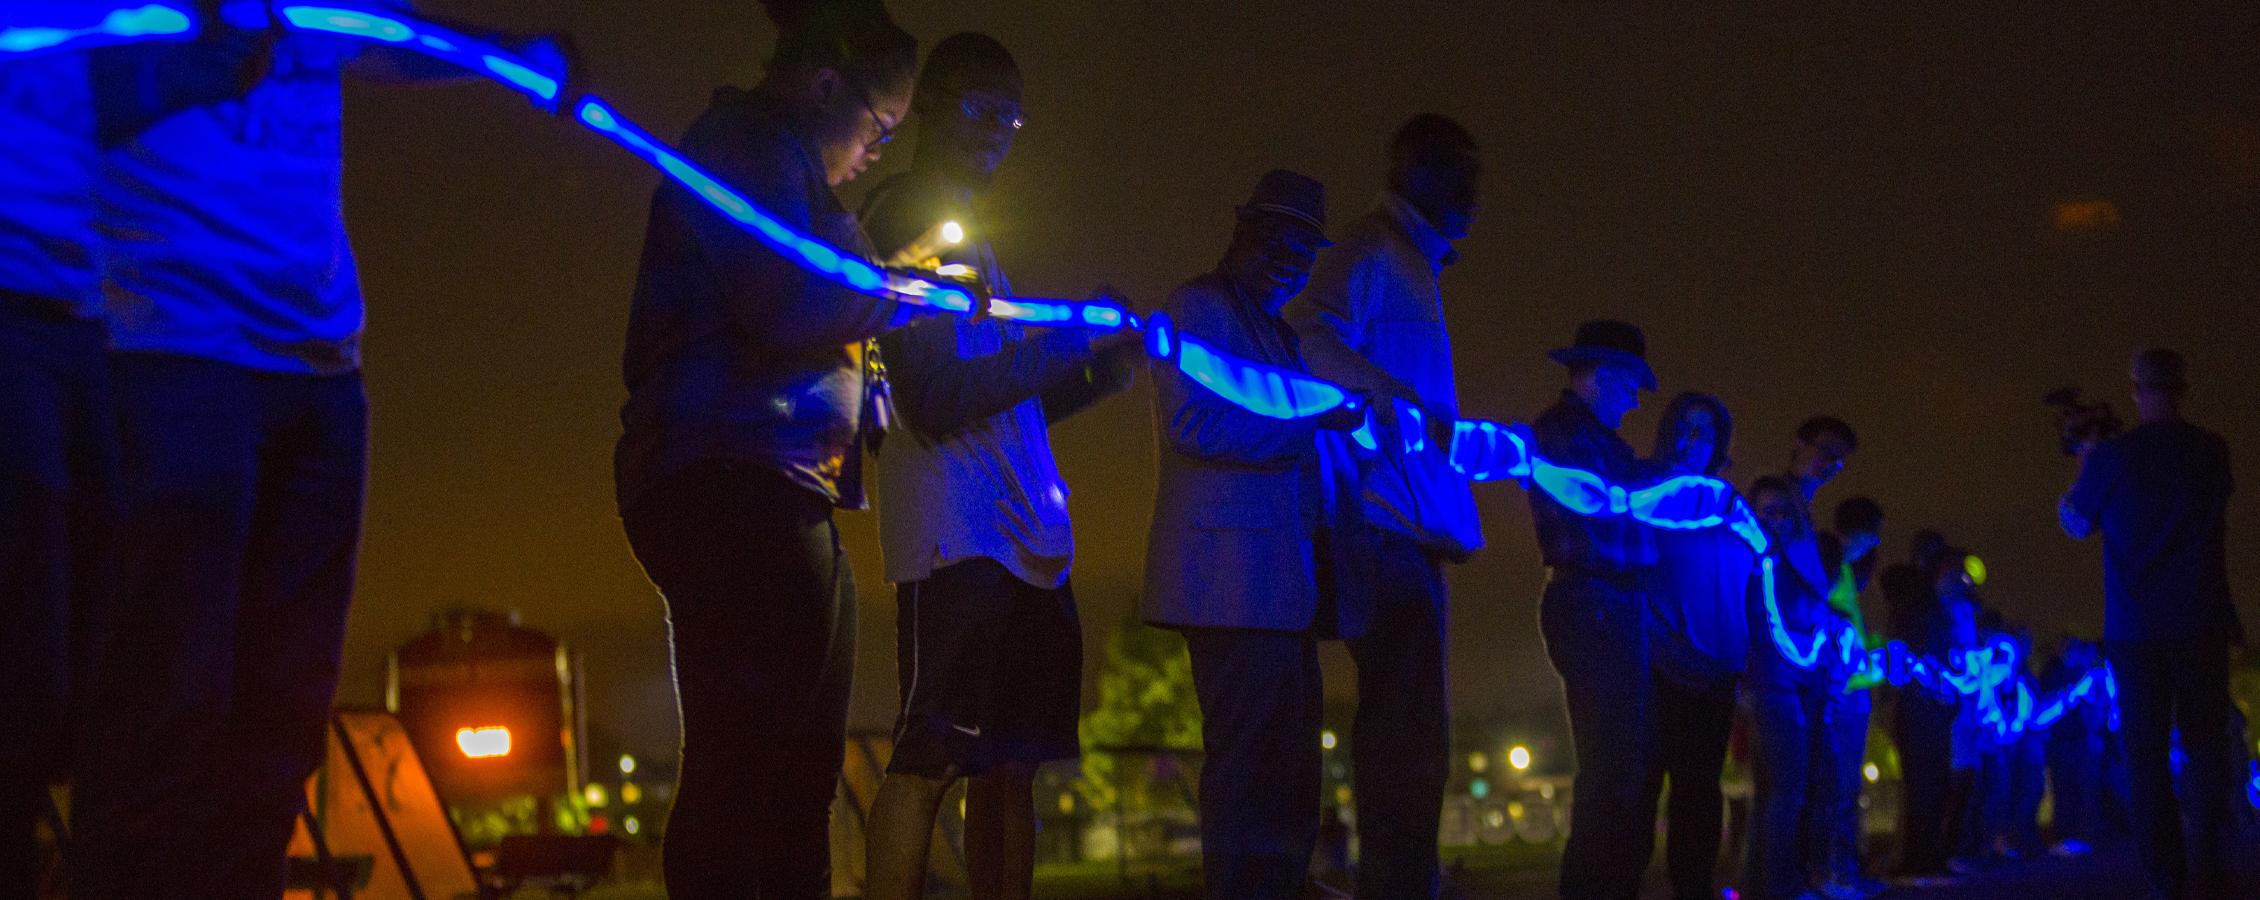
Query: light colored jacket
point(1242, 514)
point(1372, 318)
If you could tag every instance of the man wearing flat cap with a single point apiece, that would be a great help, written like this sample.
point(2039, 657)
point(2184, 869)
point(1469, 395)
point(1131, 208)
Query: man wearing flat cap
point(1244, 557)
point(1596, 571)
point(2160, 496)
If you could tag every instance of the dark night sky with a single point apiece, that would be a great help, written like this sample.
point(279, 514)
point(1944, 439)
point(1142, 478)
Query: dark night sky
point(1842, 211)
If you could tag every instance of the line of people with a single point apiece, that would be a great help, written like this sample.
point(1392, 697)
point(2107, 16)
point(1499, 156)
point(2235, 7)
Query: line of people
point(183, 322)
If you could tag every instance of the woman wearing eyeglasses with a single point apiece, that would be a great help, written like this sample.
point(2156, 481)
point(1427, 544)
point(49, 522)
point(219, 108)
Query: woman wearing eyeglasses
point(750, 397)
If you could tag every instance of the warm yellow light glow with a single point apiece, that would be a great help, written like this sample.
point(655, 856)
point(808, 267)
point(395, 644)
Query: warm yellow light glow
point(1975, 568)
point(1067, 804)
point(627, 764)
point(1477, 762)
point(1519, 757)
point(630, 793)
point(955, 270)
point(1872, 773)
point(484, 742)
point(594, 794)
point(1341, 795)
point(953, 233)
point(631, 825)
point(2081, 215)
point(1326, 740)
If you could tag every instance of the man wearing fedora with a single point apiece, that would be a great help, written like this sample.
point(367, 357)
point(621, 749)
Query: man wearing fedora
point(2160, 494)
point(1243, 558)
point(1373, 319)
point(1592, 613)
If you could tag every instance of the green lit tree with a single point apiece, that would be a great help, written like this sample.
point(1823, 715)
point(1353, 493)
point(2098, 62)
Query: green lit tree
point(1146, 708)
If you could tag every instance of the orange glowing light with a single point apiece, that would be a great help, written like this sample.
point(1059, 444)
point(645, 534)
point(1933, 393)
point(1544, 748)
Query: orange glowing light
point(2084, 215)
point(483, 743)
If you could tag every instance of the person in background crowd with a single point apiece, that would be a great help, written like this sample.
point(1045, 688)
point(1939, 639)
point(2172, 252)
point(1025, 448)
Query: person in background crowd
point(752, 393)
point(1373, 319)
point(1594, 615)
point(2159, 496)
point(1849, 556)
point(1700, 628)
point(2075, 752)
point(235, 316)
point(973, 513)
point(1922, 718)
point(1247, 558)
point(1788, 697)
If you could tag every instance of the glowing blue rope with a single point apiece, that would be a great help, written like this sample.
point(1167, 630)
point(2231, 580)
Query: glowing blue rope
point(28, 29)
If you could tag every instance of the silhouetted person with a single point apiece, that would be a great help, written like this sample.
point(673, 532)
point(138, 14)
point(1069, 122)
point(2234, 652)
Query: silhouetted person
point(752, 393)
point(1373, 319)
point(1242, 556)
point(2159, 495)
point(1849, 555)
point(1598, 572)
point(235, 314)
point(973, 518)
point(1788, 693)
point(1701, 630)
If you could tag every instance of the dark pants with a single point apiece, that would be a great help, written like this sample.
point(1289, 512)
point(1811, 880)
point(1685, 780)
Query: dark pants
point(1923, 729)
point(1260, 695)
point(2028, 767)
point(1794, 754)
point(2075, 778)
point(761, 610)
point(2164, 685)
point(1694, 724)
point(211, 693)
point(1838, 852)
point(1403, 725)
point(58, 473)
point(1595, 639)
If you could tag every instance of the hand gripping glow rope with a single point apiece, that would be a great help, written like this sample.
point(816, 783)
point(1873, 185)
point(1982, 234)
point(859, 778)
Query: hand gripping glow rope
point(27, 27)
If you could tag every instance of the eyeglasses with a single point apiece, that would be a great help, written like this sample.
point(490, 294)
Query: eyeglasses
point(1003, 114)
point(886, 131)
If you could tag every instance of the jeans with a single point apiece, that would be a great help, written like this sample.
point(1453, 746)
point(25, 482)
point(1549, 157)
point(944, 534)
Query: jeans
point(1403, 724)
point(2164, 685)
point(761, 614)
point(1596, 641)
point(1837, 854)
point(1260, 696)
point(58, 494)
point(211, 692)
point(1694, 724)
point(1794, 756)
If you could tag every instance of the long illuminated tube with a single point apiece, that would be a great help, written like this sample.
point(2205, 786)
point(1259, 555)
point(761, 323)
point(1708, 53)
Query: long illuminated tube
point(28, 28)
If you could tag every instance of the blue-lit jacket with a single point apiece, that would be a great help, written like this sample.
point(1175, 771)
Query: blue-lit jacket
point(1247, 532)
point(735, 352)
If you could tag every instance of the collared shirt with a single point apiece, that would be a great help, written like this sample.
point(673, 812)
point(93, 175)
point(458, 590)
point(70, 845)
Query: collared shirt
point(2160, 495)
point(48, 166)
point(225, 225)
point(735, 352)
point(973, 476)
point(1372, 318)
point(1570, 434)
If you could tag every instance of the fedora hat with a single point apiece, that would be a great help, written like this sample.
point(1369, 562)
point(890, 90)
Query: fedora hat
point(1609, 342)
point(1292, 196)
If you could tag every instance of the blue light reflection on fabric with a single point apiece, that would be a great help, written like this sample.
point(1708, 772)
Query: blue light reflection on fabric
point(23, 35)
point(1261, 389)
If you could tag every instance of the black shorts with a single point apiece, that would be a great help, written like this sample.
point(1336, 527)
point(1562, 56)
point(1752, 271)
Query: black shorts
point(991, 670)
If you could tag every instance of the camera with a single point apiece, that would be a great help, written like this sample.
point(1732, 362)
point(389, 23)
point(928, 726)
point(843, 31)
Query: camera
point(2079, 423)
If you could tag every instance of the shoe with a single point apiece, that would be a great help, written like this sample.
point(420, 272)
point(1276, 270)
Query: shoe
point(2070, 848)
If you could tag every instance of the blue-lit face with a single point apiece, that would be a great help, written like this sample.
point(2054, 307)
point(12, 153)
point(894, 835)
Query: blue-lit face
point(972, 134)
point(1777, 511)
point(1616, 391)
point(1695, 441)
point(1272, 257)
point(1819, 459)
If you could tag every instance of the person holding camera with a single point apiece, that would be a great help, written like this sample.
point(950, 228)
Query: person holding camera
point(2159, 495)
